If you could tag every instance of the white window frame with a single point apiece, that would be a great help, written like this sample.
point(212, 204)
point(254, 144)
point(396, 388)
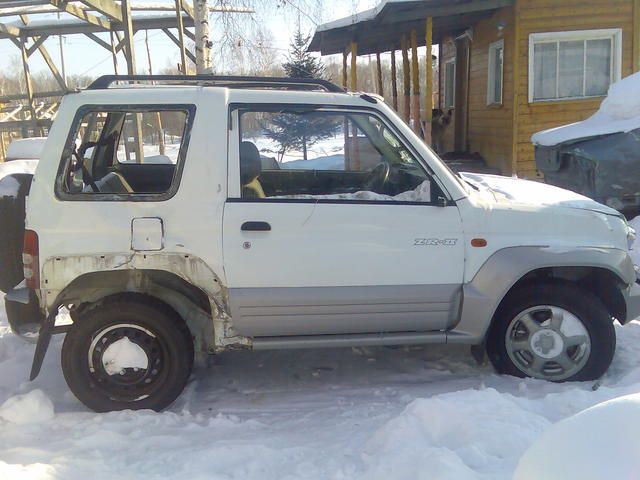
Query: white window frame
point(614, 34)
point(445, 104)
point(491, 78)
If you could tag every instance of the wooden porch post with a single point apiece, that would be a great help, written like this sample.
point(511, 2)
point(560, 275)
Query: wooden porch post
point(428, 91)
point(406, 79)
point(415, 76)
point(394, 80)
point(345, 73)
point(379, 85)
point(354, 66)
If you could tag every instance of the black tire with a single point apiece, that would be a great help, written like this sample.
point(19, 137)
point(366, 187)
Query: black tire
point(585, 306)
point(15, 187)
point(150, 324)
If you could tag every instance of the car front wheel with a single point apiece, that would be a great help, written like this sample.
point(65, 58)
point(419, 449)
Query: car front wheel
point(554, 332)
point(127, 352)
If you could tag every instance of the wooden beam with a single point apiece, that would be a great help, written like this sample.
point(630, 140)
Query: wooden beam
point(28, 84)
point(9, 30)
point(99, 41)
point(83, 14)
point(190, 34)
point(379, 85)
point(180, 23)
point(394, 81)
point(130, 51)
point(428, 90)
point(114, 52)
point(354, 66)
point(52, 66)
point(37, 41)
point(175, 40)
point(108, 8)
point(188, 9)
point(515, 55)
point(406, 76)
point(415, 77)
point(636, 35)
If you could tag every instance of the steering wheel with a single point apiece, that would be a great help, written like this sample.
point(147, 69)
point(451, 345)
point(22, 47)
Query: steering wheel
point(377, 178)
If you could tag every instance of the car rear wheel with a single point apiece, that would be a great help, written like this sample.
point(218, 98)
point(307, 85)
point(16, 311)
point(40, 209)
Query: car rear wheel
point(553, 332)
point(127, 352)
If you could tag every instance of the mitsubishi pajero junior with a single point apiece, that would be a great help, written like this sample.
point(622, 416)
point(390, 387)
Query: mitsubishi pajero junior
point(170, 216)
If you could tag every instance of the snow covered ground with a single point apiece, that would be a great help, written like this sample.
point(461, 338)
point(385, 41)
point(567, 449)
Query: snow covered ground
point(407, 413)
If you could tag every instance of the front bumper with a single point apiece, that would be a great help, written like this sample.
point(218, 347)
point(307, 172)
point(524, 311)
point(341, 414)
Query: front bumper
point(23, 313)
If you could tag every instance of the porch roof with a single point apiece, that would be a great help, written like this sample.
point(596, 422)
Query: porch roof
point(379, 29)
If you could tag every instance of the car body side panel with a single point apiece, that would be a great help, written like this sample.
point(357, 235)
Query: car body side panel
point(339, 310)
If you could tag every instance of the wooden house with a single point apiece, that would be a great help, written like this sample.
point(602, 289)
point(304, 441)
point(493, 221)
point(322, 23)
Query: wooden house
point(508, 68)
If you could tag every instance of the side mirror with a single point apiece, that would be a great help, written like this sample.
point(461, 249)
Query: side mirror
point(441, 201)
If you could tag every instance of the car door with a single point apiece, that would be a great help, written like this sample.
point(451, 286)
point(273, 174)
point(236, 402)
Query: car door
point(329, 239)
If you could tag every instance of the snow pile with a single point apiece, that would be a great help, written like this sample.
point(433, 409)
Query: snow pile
point(26, 148)
point(619, 112)
point(32, 407)
point(422, 193)
point(528, 192)
point(17, 166)
point(124, 354)
point(454, 435)
point(595, 444)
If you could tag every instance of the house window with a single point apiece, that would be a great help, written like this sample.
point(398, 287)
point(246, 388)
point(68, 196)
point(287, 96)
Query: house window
point(496, 65)
point(568, 65)
point(449, 83)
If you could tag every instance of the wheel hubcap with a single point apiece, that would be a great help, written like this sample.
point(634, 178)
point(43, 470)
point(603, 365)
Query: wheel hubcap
point(548, 342)
point(126, 362)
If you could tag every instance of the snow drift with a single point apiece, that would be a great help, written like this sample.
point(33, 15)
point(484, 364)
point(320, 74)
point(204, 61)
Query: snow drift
point(595, 444)
point(618, 113)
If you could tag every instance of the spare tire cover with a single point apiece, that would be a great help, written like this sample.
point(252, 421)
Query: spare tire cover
point(13, 190)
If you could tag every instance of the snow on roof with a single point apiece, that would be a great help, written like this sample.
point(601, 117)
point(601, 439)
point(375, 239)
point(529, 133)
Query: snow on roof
point(618, 113)
point(359, 17)
point(26, 148)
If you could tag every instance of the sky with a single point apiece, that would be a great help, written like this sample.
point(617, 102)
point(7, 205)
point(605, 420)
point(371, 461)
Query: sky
point(83, 56)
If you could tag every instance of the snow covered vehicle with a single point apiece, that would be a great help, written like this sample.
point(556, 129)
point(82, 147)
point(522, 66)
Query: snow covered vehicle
point(600, 156)
point(170, 216)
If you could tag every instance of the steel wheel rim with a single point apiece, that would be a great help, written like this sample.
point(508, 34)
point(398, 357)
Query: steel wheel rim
point(134, 384)
point(548, 342)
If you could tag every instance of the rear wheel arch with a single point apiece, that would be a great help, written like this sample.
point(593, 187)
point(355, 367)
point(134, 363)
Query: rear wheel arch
point(157, 286)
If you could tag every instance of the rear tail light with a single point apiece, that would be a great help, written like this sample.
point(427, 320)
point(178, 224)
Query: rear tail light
point(30, 260)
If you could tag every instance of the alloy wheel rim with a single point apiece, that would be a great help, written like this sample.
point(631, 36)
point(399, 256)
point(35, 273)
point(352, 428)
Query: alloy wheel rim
point(548, 342)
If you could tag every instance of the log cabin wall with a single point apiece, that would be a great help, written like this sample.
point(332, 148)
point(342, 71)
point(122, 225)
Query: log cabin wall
point(538, 16)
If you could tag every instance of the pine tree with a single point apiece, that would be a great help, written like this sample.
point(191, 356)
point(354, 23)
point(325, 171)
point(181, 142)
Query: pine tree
point(300, 63)
point(295, 131)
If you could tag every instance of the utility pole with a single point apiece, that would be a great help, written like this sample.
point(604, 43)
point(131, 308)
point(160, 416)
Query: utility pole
point(203, 42)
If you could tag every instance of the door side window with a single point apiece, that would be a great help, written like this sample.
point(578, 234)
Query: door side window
point(117, 153)
point(321, 155)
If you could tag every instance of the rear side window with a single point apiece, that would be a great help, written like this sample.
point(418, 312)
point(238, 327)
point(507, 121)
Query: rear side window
point(125, 153)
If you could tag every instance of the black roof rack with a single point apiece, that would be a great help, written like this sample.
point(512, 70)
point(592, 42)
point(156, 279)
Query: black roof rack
point(281, 83)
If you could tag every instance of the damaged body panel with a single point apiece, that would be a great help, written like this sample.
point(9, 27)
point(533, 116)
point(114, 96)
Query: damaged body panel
point(605, 168)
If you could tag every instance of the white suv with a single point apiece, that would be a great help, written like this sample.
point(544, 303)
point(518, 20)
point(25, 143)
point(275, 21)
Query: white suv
point(177, 215)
